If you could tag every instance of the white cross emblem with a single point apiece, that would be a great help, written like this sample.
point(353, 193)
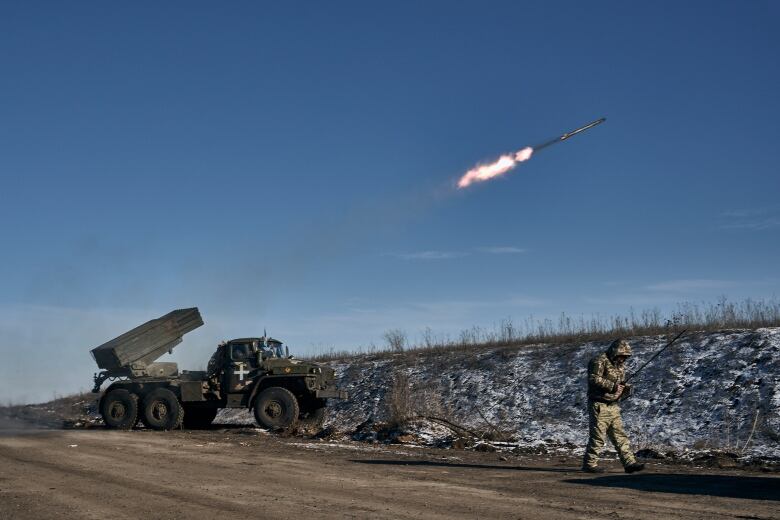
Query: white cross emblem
point(240, 372)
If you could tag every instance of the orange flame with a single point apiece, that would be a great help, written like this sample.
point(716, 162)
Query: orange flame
point(496, 168)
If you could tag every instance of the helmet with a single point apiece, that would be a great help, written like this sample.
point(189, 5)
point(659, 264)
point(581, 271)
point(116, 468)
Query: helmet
point(619, 347)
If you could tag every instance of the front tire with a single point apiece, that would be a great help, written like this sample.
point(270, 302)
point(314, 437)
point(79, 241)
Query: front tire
point(119, 409)
point(276, 408)
point(162, 410)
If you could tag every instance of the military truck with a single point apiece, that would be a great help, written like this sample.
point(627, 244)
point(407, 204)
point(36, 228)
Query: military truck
point(254, 373)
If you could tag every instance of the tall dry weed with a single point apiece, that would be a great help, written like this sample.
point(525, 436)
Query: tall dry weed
point(724, 314)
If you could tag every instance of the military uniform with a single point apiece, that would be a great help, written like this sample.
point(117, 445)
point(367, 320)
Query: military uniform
point(604, 376)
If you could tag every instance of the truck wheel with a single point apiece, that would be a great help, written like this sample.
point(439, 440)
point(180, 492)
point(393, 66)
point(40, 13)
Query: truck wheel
point(162, 410)
point(198, 417)
point(276, 408)
point(119, 409)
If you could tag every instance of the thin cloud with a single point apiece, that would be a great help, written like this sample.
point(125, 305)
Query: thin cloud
point(752, 212)
point(757, 219)
point(447, 307)
point(631, 299)
point(742, 213)
point(431, 255)
point(691, 285)
point(754, 224)
point(502, 250)
point(448, 255)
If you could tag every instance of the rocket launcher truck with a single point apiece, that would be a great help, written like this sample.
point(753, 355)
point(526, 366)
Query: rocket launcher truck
point(255, 373)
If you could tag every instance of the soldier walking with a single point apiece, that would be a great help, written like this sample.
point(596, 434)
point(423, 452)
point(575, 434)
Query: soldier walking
point(606, 387)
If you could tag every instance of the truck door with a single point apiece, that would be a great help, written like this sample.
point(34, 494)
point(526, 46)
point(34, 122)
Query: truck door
point(239, 365)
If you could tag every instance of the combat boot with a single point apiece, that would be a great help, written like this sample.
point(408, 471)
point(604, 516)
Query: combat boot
point(633, 468)
point(592, 469)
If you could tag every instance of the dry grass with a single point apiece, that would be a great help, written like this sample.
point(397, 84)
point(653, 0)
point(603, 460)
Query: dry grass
point(399, 400)
point(746, 314)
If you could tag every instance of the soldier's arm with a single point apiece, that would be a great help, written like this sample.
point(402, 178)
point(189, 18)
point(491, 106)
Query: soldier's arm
point(595, 371)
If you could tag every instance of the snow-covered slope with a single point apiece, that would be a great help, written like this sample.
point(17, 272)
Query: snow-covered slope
point(708, 391)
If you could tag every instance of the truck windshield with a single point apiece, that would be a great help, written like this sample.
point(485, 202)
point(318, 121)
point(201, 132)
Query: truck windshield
point(273, 349)
point(240, 351)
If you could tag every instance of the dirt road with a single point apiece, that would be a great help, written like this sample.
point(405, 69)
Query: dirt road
point(244, 473)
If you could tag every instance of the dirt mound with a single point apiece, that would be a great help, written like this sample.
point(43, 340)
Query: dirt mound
point(714, 391)
point(74, 411)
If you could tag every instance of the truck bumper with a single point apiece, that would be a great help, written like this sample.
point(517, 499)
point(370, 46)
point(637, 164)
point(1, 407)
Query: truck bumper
point(331, 393)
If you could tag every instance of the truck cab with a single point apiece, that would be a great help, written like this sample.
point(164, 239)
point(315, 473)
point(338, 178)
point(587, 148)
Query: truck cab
point(244, 370)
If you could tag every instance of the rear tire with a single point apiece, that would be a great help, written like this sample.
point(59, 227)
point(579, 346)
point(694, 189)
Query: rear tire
point(198, 417)
point(119, 409)
point(276, 408)
point(162, 410)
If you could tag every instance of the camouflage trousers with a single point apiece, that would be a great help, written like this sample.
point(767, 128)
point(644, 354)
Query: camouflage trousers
point(605, 421)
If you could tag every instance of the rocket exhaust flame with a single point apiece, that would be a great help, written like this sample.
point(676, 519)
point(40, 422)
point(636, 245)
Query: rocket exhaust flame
point(494, 169)
point(506, 162)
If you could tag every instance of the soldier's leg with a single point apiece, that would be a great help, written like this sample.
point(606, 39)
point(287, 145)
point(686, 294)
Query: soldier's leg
point(619, 438)
point(597, 433)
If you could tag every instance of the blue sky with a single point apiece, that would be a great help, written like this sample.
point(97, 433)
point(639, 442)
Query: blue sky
point(291, 166)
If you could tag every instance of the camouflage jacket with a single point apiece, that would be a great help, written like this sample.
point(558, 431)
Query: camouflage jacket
point(603, 378)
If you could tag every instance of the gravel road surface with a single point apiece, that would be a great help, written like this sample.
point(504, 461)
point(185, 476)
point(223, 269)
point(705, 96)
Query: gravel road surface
point(246, 473)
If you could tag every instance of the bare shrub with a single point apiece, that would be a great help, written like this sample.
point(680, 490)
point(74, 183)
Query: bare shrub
point(507, 331)
point(428, 339)
point(399, 400)
point(396, 339)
